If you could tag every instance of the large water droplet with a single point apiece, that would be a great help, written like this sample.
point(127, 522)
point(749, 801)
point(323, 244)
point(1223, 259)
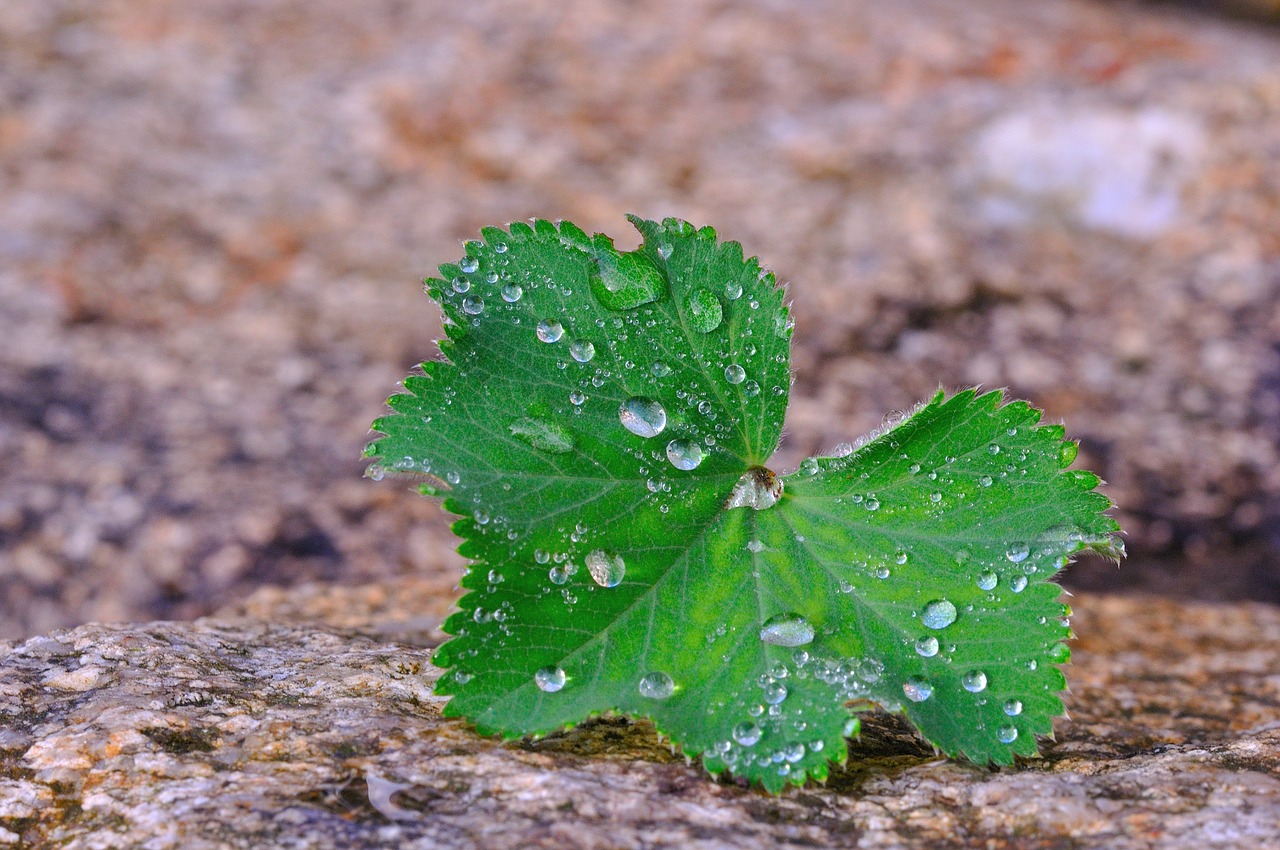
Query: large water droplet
point(1013, 707)
point(938, 614)
point(549, 679)
point(582, 351)
point(1007, 734)
point(1018, 552)
point(543, 435)
point(759, 488)
point(917, 689)
point(927, 646)
point(747, 734)
point(786, 630)
point(643, 417)
point(472, 306)
point(624, 281)
point(607, 569)
point(656, 685)
point(704, 310)
point(469, 264)
point(511, 293)
point(735, 374)
point(974, 681)
point(684, 454)
point(549, 330)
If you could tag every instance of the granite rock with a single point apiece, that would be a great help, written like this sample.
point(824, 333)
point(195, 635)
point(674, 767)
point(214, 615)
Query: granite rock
point(291, 731)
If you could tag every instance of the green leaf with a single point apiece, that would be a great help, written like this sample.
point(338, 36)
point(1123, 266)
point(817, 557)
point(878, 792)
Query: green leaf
point(601, 427)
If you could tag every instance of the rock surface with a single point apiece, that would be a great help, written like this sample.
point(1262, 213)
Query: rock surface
point(215, 214)
point(292, 732)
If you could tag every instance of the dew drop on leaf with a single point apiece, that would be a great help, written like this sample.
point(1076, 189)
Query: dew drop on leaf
point(927, 646)
point(472, 306)
point(469, 264)
point(705, 312)
point(549, 330)
point(1018, 584)
point(917, 689)
point(775, 693)
point(787, 630)
point(1018, 552)
point(549, 679)
point(656, 685)
point(684, 454)
point(642, 416)
point(624, 281)
point(751, 388)
point(735, 374)
point(582, 351)
point(511, 293)
point(1007, 734)
point(938, 614)
point(606, 569)
point(747, 734)
point(660, 369)
point(1013, 707)
point(975, 681)
point(987, 580)
point(543, 435)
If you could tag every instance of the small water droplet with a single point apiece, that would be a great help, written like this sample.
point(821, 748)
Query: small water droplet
point(559, 575)
point(927, 646)
point(871, 503)
point(461, 284)
point(582, 351)
point(704, 310)
point(787, 630)
point(469, 264)
point(987, 580)
point(751, 388)
point(775, 693)
point(656, 685)
point(542, 556)
point(642, 416)
point(1018, 552)
point(901, 557)
point(917, 689)
point(754, 545)
point(938, 614)
point(993, 449)
point(974, 681)
point(511, 293)
point(1013, 707)
point(606, 569)
point(660, 369)
point(735, 374)
point(664, 250)
point(1007, 734)
point(883, 572)
point(684, 454)
point(549, 679)
point(733, 290)
point(984, 480)
point(577, 398)
point(549, 330)
point(747, 734)
point(1018, 584)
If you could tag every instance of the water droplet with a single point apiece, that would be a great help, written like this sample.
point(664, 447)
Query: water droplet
point(974, 681)
point(511, 293)
point(543, 435)
point(786, 630)
point(460, 677)
point(656, 685)
point(883, 572)
point(984, 480)
point(935, 497)
point(735, 374)
point(1018, 552)
point(1013, 707)
point(775, 693)
point(987, 580)
point(461, 284)
point(755, 546)
point(733, 290)
point(469, 264)
point(1007, 734)
point(1018, 584)
point(751, 388)
point(577, 398)
point(792, 753)
point(550, 330)
point(472, 306)
point(582, 351)
point(607, 569)
point(549, 679)
point(759, 488)
point(938, 614)
point(664, 250)
point(559, 575)
point(684, 454)
point(927, 646)
point(660, 369)
point(643, 417)
point(917, 689)
point(624, 281)
point(704, 310)
point(993, 449)
point(747, 734)
point(542, 556)
point(871, 503)
point(900, 558)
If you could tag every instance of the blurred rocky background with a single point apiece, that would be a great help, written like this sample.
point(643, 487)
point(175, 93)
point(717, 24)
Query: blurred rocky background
point(213, 214)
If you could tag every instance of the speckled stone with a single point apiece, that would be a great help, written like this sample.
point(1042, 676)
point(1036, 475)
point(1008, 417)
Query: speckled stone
point(242, 733)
